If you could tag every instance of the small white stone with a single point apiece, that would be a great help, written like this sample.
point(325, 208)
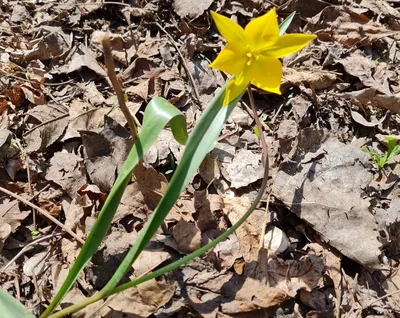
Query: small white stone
point(275, 240)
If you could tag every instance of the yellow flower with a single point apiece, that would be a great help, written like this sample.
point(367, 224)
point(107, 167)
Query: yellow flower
point(252, 54)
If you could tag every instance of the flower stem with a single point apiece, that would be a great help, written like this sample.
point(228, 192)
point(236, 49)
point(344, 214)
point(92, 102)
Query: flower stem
point(264, 146)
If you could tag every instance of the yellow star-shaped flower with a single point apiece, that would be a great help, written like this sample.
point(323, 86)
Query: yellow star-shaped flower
point(252, 54)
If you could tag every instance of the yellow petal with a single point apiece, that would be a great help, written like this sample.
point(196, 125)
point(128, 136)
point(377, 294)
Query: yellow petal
point(266, 73)
point(263, 31)
point(288, 44)
point(236, 87)
point(231, 60)
point(231, 31)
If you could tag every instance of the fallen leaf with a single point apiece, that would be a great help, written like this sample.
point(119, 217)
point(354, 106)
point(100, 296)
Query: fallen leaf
point(53, 121)
point(16, 95)
point(362, 121)
point(244, 169)
point(312, 185)
point(317, 79)
point(187, 236)
point(10, 218)
point(67, 170)
point(105, 152)
point(191, 8)
point(142, 300)
point(357, 64)
point(84, 57)
point(380, 7)
point(341, 24)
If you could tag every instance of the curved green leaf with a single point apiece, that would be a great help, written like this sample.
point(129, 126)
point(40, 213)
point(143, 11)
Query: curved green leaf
point(12, 308)
point(157, 114)
point(201, 141)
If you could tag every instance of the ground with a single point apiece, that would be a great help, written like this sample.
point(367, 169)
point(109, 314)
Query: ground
point(331, 208)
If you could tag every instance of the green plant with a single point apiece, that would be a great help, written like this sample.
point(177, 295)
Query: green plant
point(381, 159)
point(201, 141)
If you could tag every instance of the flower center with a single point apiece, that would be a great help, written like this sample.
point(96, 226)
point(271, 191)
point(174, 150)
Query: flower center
point(252, 54)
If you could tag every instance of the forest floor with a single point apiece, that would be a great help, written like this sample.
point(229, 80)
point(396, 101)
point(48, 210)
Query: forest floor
point(333, 207)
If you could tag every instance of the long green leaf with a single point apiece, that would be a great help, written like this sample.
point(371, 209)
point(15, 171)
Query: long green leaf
point(285, 23)
point(201, 141)
point(157, 114)
point(12, 308)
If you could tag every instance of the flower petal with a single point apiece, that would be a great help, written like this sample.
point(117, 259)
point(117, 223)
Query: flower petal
point(231, 59)
point(288, 44)
point(263, 31)
point(231, 31)
point(236, 87)
point(266, 73)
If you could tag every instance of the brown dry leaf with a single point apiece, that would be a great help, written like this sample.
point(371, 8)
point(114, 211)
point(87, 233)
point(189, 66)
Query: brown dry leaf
point(249, 236)
point(53, 121)
point(380, 7)
point(16, 95)
point(144, 299)
point(187, 236)
point(67, 170)
point(294, 275)
point(317, 79)
point(312, 186)
point(149, 260)
point(51, 46)
point(84, 57)
point(340, 24)
point(120, 47)
point(105, 152)
point(20, 14)
point(191, 8)
point(228, 251)
point(357, 64)
point(76, 213)
point(10, 219)
point(211, 291)
point(83, 117)
point(357, 117)
point(92, 95)
point(369, 96)
point(245, 168)
point(250, 231)
point(33, 93)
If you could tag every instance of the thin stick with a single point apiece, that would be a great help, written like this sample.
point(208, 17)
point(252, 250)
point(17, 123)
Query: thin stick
point(117, 86)
point(26, 247)
point(194, 86)
point(44, 212)
point(258, 124)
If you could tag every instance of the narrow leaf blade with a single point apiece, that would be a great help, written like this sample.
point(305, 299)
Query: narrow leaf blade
point(12, 308)
point(157, 115)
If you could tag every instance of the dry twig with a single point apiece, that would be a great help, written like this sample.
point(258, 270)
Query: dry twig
point(117, 87)
point(44, 212)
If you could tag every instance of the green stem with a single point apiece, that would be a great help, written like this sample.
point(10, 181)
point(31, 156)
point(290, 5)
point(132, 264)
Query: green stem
point(74, 308)
point(106, 292)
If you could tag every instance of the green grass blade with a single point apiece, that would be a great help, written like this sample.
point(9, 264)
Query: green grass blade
point(201, 141)
point(12, 308)
point(157, 114)
point(285, 23)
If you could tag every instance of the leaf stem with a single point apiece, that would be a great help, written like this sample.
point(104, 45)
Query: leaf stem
point(108, 58)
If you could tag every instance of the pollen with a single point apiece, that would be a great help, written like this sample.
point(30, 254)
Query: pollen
point(252, 54)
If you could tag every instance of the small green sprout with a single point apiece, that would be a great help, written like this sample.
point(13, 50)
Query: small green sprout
point(381, 160)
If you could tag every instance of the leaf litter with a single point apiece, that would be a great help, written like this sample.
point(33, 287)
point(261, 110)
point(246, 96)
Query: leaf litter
point(63, 141)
